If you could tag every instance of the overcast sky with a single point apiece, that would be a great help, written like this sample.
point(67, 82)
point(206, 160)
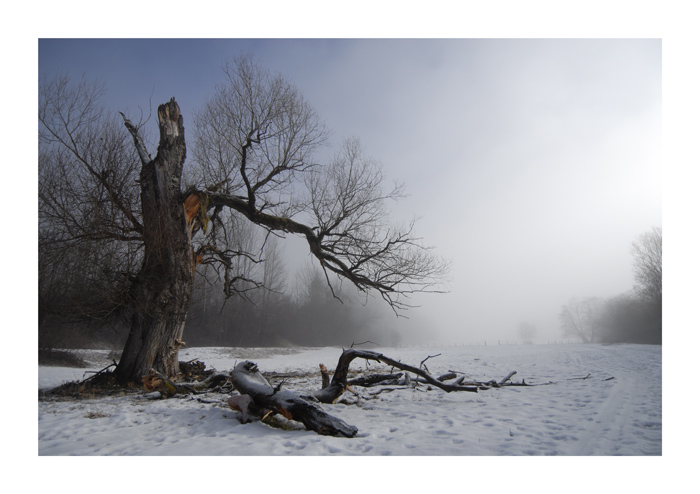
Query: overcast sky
point(534, 164)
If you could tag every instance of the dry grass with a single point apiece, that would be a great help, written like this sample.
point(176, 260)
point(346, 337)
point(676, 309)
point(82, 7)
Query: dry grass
point(103, 384)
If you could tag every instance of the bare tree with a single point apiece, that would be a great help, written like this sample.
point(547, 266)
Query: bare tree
point(90, 228)
point(526, 332)
point(254, 139)
point(647, 253)
point(579, 318)
point(348, 203)
point(629, 319)
point(270, 302)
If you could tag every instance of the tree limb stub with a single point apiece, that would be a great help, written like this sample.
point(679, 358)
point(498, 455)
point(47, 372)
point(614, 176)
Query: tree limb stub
point(505, 379)
point(143, 153)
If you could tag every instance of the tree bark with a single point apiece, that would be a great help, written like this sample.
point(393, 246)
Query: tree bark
point(295, 406)
point(162, 288)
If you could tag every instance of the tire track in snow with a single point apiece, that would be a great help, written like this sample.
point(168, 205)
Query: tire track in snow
point(613, 431)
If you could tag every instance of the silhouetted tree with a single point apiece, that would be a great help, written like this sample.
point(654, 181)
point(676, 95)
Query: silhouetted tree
point(647, 253)
point(648, 260)
point(526, 332)
point(578, 318)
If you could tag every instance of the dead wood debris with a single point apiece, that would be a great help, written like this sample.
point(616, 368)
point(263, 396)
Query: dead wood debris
point(102, 383)
point(258, 398)
point(193, 379)
point(262, 397)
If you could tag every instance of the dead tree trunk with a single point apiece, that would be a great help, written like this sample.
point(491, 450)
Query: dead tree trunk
point(295, 406)
point(161, 290)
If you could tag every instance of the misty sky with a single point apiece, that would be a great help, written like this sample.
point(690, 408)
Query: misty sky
point(534, 164)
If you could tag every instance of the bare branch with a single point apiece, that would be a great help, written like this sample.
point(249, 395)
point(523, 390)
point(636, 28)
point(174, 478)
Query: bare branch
point(88, 205)
point(138, 141)
point(256, 135)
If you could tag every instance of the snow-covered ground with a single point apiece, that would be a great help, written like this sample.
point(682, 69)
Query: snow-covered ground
point(616, 410)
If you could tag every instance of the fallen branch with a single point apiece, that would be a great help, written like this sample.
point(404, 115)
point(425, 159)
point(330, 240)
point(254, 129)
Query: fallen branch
point(376, 379)
point(422, 364)
point(97, 373)
point(582, 378)
point(442, 378)
point(259, 398)
point(358, 344)
point(507, 378)
point(445, 377)
point(339, 383)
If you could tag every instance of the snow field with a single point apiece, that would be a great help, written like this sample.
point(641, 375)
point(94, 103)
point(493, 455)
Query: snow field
point(616, 410)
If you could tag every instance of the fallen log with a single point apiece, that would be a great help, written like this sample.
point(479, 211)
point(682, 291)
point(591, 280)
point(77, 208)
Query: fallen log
point(445, 377)
point(376, 379)
point(248, 380)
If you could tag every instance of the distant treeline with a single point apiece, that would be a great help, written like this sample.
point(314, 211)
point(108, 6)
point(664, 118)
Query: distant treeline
point(634, 317)
point(622, 319)
point(309, 316)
